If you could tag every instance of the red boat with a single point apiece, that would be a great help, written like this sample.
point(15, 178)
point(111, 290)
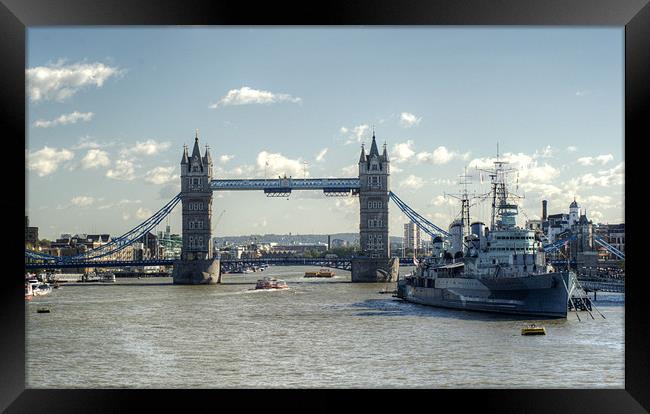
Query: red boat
point(271, 283)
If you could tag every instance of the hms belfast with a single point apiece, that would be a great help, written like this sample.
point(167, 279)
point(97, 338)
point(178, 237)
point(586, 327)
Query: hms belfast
point(500, 269)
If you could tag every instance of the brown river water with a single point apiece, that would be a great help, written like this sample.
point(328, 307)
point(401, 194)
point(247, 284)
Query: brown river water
point(320, 333)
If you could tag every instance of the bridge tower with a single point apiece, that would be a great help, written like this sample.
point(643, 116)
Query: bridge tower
point(375, 265)
point(197, 264)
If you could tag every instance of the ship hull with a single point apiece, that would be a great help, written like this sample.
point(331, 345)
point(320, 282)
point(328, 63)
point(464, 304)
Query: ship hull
point(543, 295)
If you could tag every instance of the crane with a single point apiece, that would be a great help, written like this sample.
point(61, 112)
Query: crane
point(217, 220)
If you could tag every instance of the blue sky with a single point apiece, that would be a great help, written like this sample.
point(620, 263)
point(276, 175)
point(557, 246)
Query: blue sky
point(109, 110)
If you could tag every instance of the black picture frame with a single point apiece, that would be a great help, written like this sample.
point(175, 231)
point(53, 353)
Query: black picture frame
point(16, 15)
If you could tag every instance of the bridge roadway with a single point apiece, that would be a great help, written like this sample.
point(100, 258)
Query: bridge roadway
point(284, 186)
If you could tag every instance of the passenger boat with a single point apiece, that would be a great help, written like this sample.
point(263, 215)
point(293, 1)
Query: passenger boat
point(320, 273)
point(533, 330)
point(271, 283)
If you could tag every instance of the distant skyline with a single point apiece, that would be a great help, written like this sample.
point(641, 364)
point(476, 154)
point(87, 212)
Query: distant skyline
point(109, 110)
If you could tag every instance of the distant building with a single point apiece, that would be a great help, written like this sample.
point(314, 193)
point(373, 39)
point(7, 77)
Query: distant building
point(338, 243)
point(534, 225)
point(412, 236)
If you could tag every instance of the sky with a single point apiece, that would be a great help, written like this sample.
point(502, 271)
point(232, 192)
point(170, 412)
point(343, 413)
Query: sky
point(109, 110)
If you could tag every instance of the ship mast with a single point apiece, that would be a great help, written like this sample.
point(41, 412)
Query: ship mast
point(503, 213)
point(465, 202)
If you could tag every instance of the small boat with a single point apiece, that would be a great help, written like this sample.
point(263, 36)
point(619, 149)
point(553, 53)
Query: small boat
point(43, 310)
point(533, 330)
point(320, 273)
point(271, 283)
point(40, 289)
point(29, 294)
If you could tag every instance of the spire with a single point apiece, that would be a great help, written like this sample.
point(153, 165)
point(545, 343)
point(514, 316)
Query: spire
point(196, 152)
point(185, 158)
point(362, 158)
point(373, 147)
point(384, 155)
point(207, 156)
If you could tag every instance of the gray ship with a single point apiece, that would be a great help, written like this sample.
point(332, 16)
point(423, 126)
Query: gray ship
point(500, 269)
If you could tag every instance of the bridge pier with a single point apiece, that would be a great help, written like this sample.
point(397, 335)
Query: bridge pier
point(197, 272)
point(371, 269)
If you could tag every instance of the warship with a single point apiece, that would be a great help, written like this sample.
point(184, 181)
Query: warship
point(497, 269)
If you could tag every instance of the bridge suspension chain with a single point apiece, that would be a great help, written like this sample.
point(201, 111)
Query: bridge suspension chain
point(117, 244)
point(424, 224)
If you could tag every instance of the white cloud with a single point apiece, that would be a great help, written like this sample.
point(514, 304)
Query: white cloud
point(440, 155)
point(143, 213)
point(225, 158)
point(243, 170)
point(529, 170)
point(59, 82)
point(277, 164)
point(442, 200)
point(601, 159)
point(82, 201)
point(321, 155)
point(582, 93)
point(572, 148)
point(606, 178)
point(148, 147)
point(247, 96)
point(402, 152)
point(119, 203)
point(65, 119)
point(95, 158)
point(355, 134)
point(161, 175)
point(547, 152)
point(47, 160)
point(412, 182)
point(123, 170)
point(408, 120)
point(350, 170)
point(125, 216)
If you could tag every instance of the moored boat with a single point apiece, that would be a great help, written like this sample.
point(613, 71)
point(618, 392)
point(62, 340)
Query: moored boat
point(502, 269)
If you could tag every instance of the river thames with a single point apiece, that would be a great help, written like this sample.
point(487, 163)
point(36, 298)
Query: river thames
point(320, 333)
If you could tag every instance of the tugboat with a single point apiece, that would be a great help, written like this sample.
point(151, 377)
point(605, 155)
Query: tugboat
point(271, 283)
point(501, 270)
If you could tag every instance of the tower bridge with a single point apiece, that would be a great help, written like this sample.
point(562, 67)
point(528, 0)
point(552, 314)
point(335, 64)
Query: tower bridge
point(198, 263)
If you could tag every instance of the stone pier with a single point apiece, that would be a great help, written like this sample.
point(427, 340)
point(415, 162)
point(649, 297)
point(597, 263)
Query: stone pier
point(373, 270)
point(197, 272)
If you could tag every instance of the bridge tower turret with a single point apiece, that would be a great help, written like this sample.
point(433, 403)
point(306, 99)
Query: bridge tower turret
point(374, 175)
point(375, 265)
point(197, 264)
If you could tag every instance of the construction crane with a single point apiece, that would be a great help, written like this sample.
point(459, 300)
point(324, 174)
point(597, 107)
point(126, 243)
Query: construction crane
point(217, 220)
